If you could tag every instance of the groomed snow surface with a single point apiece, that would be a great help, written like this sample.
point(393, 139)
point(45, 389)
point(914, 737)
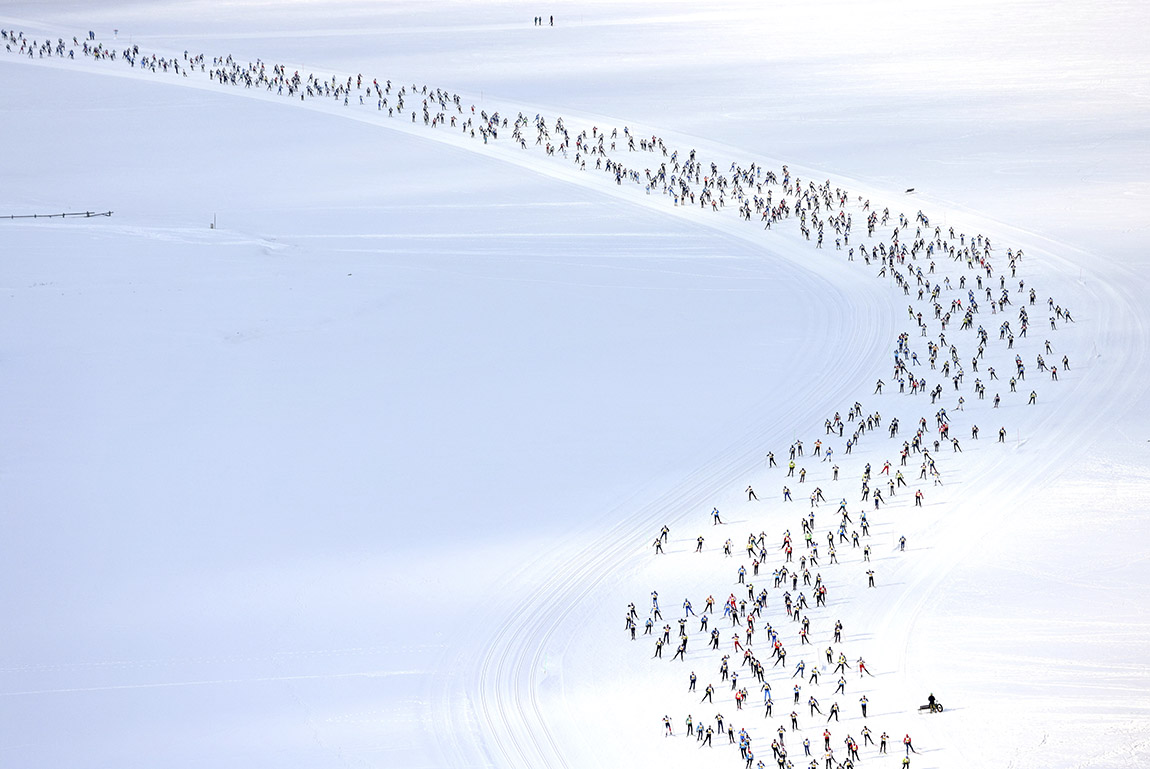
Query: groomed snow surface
point(368, 473)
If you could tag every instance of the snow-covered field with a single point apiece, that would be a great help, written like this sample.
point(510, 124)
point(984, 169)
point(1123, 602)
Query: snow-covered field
point(367, 474)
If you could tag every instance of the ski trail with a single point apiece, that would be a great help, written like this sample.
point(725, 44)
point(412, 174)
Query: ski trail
point(507, 677)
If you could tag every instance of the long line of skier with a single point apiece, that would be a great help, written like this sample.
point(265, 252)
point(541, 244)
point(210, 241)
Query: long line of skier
point(954, 284)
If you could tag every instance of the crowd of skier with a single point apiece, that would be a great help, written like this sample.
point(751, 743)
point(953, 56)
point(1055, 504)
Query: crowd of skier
point(778, 590)
point(968, 319)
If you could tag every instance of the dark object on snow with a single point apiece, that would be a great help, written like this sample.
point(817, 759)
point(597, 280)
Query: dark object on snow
point(85, 214)
point(910, 190)
point(934, 707)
